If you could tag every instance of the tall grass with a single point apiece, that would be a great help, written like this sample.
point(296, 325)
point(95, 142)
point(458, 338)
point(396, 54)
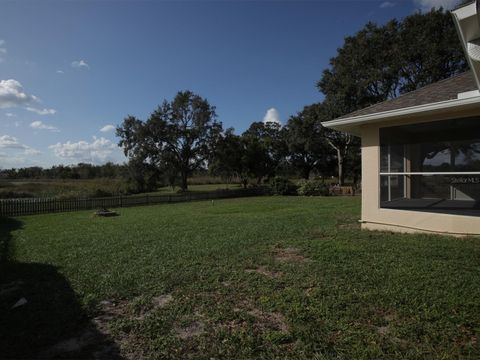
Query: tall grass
point(62, 189)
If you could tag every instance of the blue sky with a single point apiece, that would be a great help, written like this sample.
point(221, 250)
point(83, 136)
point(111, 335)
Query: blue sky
point(69, 70)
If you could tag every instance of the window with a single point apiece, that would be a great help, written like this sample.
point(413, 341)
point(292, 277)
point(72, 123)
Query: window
point(431, 166)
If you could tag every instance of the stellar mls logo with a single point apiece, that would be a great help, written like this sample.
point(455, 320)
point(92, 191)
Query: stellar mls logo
point(465, 180)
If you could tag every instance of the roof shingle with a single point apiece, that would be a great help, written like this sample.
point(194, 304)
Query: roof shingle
point(443, 90)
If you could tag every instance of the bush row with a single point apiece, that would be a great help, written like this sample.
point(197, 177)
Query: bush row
point(283, 186)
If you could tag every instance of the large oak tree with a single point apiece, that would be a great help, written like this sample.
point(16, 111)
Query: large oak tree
point(177, 136)
point(265, 149)
point(382, 62)
point(306, 140)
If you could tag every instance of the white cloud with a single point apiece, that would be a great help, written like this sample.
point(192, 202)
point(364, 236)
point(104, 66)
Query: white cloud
point(12, 94)
point(60, 72)
point(387, 4)
point(80, 64)
point(31, 151)
point(11, 142)
point(41, 111)
point(97, 151)
point(107, 128)
point(427, 5)
point(272, 116)
point(39, 125)
point(9, 114)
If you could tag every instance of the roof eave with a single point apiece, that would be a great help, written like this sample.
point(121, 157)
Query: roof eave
point(352, 124)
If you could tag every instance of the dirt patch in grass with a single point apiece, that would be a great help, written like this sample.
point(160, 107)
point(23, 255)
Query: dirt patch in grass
point(466, 336)
point(310, 290)
point(388, 317)
point(387, 314)
point(262, 270)
point(289, 254)
point(98, 341)
point(346, 222)
point(269, 320)
point(319, 233)
point(345, 217)
point(383, 330)
point(191, 330)
point(138, 308)
point(135, 310)
point(161, 301)
point(352, 226)
point(264, 320)
point(95, 340)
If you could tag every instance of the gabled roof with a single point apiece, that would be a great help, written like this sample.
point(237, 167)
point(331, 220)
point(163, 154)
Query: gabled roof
point(443, 90)
point(446, 96)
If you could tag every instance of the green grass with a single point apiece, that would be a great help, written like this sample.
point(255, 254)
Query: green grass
point(267, 277)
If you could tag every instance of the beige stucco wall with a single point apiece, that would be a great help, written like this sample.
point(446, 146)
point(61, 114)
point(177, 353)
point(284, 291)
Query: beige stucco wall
point(375, 218)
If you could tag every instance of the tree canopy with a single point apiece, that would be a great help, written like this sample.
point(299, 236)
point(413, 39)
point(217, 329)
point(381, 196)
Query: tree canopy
point(265, 149)
point(306, 141)
point(177, 136)
point(381, 62)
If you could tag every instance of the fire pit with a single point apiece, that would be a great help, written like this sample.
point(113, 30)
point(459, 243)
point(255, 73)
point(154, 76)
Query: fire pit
point(105, 212)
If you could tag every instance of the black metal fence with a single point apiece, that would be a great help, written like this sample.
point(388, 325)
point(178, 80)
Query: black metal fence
point(32, 206)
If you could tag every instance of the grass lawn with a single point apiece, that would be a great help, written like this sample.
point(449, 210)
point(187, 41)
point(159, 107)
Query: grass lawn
point(266, 277)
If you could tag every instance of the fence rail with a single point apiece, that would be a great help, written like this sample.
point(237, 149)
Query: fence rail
point(18, 207)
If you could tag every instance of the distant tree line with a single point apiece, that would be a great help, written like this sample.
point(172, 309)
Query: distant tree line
point(80, 171)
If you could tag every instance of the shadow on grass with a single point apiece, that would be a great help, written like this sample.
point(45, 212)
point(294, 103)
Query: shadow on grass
point(40, 316)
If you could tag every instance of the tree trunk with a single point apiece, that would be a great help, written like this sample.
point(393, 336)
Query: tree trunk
point(342, 151)
point(184, 184)
point(341, 175)
point(306, 172)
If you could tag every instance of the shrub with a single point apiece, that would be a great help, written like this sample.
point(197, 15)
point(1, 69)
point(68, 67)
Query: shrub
point(98, 193)
point(282, 186)
point(205, 180)
point(313, 188)
point(15, 194)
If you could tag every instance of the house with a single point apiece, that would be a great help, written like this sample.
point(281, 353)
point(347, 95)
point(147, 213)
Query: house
point(421, 150)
